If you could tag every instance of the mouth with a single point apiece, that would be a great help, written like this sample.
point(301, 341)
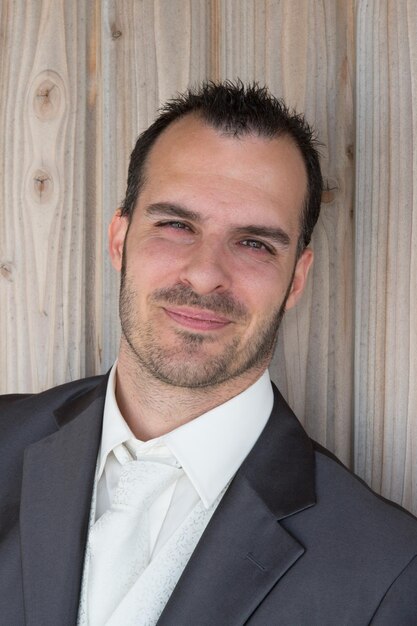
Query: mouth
point(197, 319)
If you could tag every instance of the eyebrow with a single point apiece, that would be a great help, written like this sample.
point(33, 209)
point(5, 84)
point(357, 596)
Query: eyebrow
point(278, 235)
point(174, 210)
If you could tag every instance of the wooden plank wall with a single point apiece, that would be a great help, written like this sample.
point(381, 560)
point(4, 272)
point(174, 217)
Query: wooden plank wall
point(80, 81)
point(386, 249)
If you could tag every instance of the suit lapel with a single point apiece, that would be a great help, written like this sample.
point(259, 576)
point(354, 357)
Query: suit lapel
point(242, 554)
point(58, 478)
point(245, 551)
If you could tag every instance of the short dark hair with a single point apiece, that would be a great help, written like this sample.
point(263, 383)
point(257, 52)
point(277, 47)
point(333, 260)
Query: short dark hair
point(239, 110)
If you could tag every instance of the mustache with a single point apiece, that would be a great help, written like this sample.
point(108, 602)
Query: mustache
point(221, 303)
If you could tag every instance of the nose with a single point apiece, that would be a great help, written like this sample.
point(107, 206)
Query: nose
point(206, 269)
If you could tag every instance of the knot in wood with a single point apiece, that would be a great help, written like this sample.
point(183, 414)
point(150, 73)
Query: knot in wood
point(47, 100)
point(329, 191)
point(6, 271)
point(327, 196)
point(116, 34)
point(42, 186)
point(350, 152)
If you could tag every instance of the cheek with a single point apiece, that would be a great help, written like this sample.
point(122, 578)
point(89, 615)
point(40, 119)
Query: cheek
point(155, 262)
point(263, 293)
point(263, 283)
point(260, 302)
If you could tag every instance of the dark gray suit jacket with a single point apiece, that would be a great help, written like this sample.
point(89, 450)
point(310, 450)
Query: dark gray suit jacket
point(296, 541)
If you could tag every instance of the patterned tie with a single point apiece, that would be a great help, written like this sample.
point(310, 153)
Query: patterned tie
point(119, 540)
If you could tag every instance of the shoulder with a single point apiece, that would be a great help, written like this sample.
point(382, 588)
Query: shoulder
point(28, 418)
point(25, 418)
point(369, 530)
point(335, 482)
point(20, 403)
point(360, 548)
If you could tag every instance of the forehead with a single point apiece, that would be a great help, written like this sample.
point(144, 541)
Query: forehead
point(190, 157)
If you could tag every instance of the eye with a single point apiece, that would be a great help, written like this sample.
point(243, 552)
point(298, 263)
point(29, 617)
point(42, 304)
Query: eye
point(174, 224)
point(254, 244)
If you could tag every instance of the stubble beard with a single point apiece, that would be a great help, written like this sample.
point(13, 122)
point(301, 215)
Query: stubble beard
point(183, 365)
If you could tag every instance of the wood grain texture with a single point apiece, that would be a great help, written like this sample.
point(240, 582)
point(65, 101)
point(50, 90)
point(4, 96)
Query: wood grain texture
point(386, 216)
point(43, 230)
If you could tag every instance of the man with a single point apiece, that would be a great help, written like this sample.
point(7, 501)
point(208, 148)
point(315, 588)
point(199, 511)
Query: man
point(180, 489)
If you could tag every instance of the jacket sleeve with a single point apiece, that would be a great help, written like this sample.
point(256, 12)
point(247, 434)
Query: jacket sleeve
point(399, 604)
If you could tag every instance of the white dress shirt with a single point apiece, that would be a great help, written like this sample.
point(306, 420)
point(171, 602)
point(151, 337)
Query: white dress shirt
point(209, 449)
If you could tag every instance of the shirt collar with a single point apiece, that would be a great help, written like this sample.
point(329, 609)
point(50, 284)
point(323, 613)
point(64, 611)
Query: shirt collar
point(211, 447)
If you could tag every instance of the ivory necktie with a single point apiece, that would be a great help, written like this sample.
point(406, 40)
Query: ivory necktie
point(119, 540)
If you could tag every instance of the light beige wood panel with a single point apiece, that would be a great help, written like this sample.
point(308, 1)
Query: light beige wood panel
point(305, 52)
point(386, 237)
point(91, 142)
point(42, 283)
point(150, 50)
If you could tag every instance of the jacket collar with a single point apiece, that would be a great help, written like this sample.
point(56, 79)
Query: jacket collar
point(280, 467)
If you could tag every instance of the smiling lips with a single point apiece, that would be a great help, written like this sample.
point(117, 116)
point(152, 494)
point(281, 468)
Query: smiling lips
point(197, 319)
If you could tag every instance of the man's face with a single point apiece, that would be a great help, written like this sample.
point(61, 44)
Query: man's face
point(209, 259)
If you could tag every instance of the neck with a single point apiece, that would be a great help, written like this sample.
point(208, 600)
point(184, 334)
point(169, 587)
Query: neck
point(152, 408)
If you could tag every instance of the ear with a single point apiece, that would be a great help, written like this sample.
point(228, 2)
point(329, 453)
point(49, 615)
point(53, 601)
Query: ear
point(117, 234)
point(300, 277)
